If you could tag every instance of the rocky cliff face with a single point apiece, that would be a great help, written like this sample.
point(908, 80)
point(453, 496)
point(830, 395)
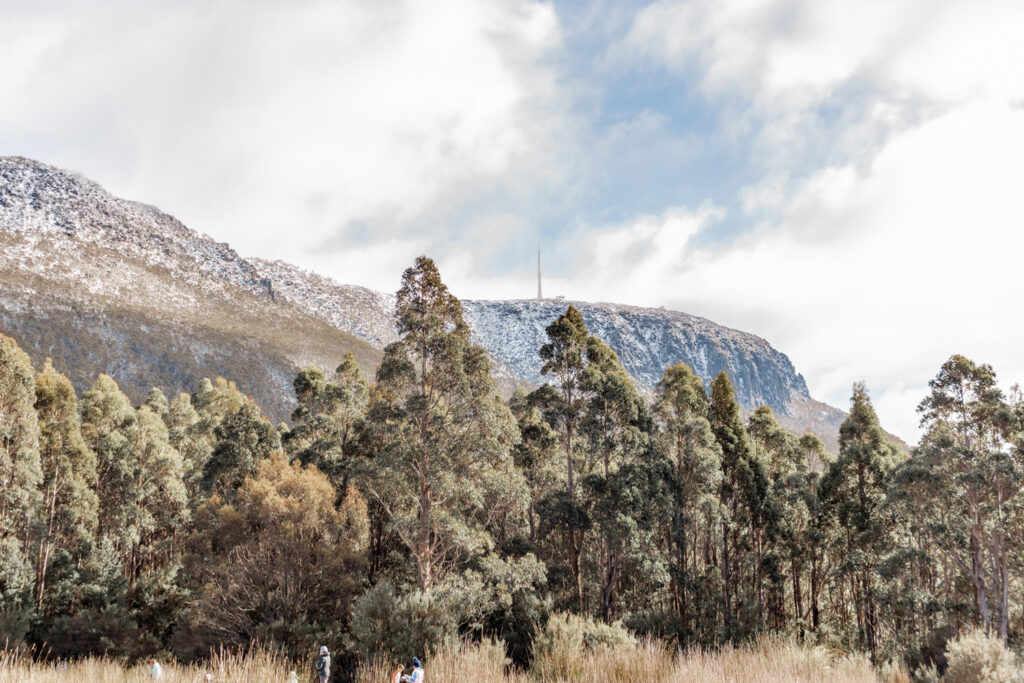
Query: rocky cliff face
point(647, 341)
point(102, 284)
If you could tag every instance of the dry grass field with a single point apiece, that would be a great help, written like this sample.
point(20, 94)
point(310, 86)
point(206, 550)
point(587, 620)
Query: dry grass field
point(768, 660)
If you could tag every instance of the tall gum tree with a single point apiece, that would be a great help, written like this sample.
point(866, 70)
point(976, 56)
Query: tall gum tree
point(69, 511)
point(684, 435)
point(20, 478)
point(852, 492)
point(966, 459)
point(743, 489)
point(440, 431)
point(617, 425)
point(566, 359)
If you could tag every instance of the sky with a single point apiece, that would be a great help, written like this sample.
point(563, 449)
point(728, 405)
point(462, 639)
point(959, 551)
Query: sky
point(844, 179)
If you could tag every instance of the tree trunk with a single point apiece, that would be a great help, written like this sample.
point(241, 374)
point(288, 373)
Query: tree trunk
point(577, 567)
point(798, 609)
point(978, 577)
point(568, 458)
point(815, 586)
point(423, 564)
point(726, 578)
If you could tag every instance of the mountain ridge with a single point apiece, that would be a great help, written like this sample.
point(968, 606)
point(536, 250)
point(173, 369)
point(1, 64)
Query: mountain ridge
point(64, 238)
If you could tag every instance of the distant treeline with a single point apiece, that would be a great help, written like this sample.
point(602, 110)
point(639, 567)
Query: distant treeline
point(396, 515)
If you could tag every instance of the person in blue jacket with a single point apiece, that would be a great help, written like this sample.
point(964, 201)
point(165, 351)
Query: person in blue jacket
point(417, 672)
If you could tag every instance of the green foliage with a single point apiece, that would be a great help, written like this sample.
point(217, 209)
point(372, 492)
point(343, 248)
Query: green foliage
point(441, 468)
point(743, 494)
point(415, 513)
point(70, 505)
point(20, 479)
point(388, 624)
point(241, 440)
point(685, 437)
point(328, 420)
point(190, 436)
point(852, 492)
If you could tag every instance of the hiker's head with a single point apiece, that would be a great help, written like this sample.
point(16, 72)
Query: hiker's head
point(416, 661)
point(323, 649)
point(152, 661)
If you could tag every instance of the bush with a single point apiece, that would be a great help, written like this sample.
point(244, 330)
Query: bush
point(562, 648)
point(976, 658)
point(387, 625)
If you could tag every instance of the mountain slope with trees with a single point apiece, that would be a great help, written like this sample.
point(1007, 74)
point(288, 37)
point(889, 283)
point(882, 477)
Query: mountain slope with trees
point(101, 284)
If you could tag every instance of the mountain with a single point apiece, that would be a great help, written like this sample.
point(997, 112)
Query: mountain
point(102, 284)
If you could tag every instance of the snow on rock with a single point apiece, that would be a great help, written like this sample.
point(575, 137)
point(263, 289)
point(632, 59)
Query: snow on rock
point(49, 215)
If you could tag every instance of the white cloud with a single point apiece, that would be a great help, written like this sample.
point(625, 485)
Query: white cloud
point(349, 136)
point(877, 273)
point(787, 54)
point(253, 120)
point(828, 81)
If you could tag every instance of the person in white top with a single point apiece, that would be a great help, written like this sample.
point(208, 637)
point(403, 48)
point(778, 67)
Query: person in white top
point(155, 670)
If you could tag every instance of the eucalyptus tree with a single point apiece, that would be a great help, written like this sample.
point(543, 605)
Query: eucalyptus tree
point(20, 479)
point(442, 436)
point(968, 473)
point(241, 440)
point(143, 504)
point(853, 491)
point(742, 492)
point(188, 435)
point(537, 454)
point(70, 504)
point(592, 400)
point(684, 435)
point(565, 359)
point(328, 418)
point(794, 509)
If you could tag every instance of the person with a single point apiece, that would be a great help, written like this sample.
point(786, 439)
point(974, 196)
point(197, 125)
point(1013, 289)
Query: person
point(397, 676)
point(323, 664)
point(155, 670)
point(417, 672)
point(293, 677)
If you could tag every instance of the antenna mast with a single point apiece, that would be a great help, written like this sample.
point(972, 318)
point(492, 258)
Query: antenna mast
point(540, 294)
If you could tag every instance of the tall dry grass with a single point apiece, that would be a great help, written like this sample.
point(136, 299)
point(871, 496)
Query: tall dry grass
point(767, 661)
point(223, 666)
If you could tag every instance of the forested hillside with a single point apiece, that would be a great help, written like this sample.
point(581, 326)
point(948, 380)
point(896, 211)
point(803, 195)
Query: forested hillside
point(403, 511)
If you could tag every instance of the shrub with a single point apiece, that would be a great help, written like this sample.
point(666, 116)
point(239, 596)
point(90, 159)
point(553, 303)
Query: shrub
point(976, 658)
point(387, 625)
point(561, 650)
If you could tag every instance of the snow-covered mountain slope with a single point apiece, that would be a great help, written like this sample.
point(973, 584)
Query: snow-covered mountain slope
point(101, 284)
point(647, 341)
point(108, 285)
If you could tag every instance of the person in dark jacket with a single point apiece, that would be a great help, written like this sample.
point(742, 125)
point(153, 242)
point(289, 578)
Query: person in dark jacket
point(323, 664)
